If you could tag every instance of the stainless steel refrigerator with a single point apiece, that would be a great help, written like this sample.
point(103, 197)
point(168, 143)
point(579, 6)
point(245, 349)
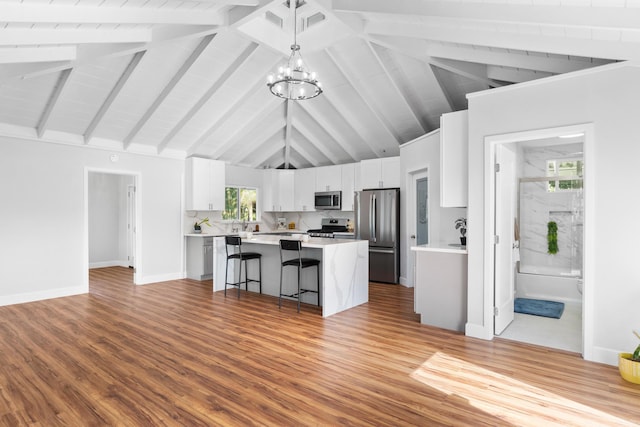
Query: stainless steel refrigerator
point(377, 219)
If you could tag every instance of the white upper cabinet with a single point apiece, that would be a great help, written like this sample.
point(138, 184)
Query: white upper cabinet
point(348, 186)
point(277, 190)
point(454, 170)
point(357, 177)
point(328, 178)
point(380, 173)
point(205, 182)
point(303, 189)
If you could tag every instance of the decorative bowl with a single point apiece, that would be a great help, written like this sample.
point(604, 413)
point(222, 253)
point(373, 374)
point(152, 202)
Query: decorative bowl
point(629, 369)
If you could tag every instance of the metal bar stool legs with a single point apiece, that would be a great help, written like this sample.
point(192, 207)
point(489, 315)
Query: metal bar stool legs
point(300, 263)
point(239, 255)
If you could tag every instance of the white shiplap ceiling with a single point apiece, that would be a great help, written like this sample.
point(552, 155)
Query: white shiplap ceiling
point(182, 78)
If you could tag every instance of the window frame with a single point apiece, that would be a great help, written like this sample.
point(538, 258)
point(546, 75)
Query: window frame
point(553, 185)
point(239, 188)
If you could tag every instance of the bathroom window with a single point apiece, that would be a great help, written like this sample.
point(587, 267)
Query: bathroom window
point(568, 168)
point(240, 204)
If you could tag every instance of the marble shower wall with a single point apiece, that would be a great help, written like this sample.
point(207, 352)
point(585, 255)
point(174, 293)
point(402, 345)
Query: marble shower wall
point(538, 207)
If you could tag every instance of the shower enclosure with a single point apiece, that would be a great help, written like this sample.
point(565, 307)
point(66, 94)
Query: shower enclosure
point(543, 200)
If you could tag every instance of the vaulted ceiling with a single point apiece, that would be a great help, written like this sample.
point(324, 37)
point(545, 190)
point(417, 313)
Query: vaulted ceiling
point(181, 78)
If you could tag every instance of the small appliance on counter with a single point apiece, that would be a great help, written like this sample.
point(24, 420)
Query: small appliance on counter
point(282, 223)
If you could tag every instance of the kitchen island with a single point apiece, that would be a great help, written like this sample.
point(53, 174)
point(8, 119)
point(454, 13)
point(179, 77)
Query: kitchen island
point(344, 270)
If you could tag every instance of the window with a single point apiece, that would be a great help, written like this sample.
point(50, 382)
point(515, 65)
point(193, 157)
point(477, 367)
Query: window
point(569, 168)
point(240, 203)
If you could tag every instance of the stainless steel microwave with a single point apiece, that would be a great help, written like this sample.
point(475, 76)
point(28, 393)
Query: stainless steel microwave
point(328, 200)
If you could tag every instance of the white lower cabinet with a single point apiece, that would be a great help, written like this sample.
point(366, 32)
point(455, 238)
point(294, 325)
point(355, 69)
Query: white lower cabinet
point(441, 288)
point(199, 257)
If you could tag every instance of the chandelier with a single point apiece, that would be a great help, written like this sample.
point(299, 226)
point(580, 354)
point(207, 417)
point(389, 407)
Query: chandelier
point(293, 80)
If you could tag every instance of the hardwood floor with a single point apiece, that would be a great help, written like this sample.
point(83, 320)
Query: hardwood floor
point(175, 353)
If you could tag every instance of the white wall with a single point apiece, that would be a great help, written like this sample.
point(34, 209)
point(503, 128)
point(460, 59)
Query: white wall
point(608, 98)
point(44, 249)
point(421, 154)
point(108, 219)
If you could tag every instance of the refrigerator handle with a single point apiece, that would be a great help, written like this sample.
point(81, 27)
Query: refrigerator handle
point(374, 208)
point(371, 216)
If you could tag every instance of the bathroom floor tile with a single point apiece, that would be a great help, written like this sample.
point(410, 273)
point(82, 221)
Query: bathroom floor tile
point(563, 334)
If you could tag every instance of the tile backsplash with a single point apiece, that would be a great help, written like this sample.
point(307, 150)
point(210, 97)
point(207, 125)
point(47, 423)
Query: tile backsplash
point(268, 222)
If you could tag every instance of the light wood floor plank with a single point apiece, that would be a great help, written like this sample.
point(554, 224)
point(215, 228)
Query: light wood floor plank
point(175, 353)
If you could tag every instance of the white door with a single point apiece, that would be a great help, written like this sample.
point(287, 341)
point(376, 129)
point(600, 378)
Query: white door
point(506, 197)
point(422, 218)
point(417, 218)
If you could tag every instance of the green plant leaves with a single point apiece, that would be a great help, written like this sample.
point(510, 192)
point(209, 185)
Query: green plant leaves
point(552, 237)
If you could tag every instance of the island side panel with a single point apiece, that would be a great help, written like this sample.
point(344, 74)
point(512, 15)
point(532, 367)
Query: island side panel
point(346, 276)
point(270, 269)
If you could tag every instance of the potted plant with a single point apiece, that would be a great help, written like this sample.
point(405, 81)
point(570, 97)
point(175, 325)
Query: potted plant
point(461, 224)
point(629, 364)
point(197, 227)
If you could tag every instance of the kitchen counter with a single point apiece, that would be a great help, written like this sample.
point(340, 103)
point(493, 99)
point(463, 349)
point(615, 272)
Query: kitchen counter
point(446, 247)
point(255, 233)
point(344, 269)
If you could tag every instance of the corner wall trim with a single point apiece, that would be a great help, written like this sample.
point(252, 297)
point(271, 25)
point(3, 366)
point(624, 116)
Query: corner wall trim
point(478, 331)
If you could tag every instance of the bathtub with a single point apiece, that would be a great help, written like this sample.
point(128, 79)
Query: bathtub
point(549, 285)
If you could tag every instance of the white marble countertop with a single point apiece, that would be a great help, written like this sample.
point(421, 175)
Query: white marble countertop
point(448, 247)
point(313, 242)
point(204, 234)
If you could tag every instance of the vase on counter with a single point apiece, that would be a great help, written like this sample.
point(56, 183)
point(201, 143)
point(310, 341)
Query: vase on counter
point(197, 229)
point(463, 241)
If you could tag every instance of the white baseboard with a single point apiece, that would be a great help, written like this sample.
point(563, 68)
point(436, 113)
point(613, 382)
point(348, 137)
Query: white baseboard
point(605, 355)
point(405, 282)
point(42, 295)
point(146, 280)
point(103, 264)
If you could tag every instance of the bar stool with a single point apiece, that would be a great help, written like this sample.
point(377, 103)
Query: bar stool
point(300, 263)
point(235, 243)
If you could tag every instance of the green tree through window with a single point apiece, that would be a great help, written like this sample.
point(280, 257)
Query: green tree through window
point(240, 204)
point(566, 168)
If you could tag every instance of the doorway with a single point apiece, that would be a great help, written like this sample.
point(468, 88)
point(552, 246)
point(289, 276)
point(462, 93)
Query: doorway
point(520, 216)
point(111, 219)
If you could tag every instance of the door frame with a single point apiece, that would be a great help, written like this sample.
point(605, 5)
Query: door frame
point(412, 176)
point(588, 272)
point(137, 221)
point(131, 225)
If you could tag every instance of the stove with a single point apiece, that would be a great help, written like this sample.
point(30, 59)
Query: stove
point(329, 226)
